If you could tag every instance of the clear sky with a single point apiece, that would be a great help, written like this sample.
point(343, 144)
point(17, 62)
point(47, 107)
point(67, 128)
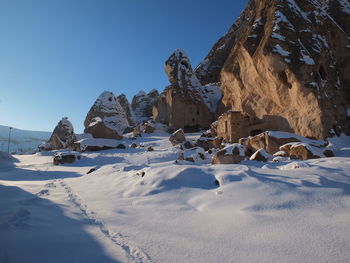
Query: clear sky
point(57, 56)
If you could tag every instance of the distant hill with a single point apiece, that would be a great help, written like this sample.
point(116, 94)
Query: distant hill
point(21, 140)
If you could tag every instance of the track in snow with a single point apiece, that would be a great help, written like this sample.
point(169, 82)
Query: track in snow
point(134, 254)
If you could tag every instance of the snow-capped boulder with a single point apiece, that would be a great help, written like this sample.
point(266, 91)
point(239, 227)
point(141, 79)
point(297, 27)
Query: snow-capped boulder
point(106, 118)
point(271, 141)
point(142, 105)
point(302, 151)
point(287, 59)
point(261, 155)
point(63, 157)
point(62, 136)
point(95, 144)
point(193, 155)
point(177, 137)
point(231, 154)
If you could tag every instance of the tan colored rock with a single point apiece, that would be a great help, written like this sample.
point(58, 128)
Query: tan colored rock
point(177, 137)
point(232, 154)
point(260, 155)
point(302, 151)
point(147, 128)
point(99, 129)
point(209, 143)
point(278, 62)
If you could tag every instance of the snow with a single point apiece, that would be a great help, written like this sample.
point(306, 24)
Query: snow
point(278, 36)
point(279, 50)
point(348, 112)
point(140, 206)
point(22, 140)
point(99, 142)
point(229, 149)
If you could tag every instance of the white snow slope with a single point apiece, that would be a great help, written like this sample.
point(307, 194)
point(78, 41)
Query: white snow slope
point(22, 140)
point(294, 211)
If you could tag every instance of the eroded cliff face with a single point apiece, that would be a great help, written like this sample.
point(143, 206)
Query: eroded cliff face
point(287, 59)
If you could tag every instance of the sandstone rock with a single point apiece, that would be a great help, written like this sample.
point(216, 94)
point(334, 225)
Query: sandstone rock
point(65, 157)
point(186, 104)
point(231, 154)
point(271, 141)
point(142, 105)
point(193, 155)
point(106, 118)
point(209, 143)
point(137, 131)
point(95, 144)
point(302, 151)
point(328, 153)
point(177, 137)
point(260, 155)
point(287, 59)
point(62, 137)
point(147, 128)
point(133, 145)
point(124, 103)
point(150, 149)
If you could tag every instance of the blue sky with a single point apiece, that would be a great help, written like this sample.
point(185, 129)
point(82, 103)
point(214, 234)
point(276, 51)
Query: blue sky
point(57, 56)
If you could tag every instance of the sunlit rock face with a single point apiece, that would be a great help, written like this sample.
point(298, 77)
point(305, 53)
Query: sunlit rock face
point(287, 58)
point(124, 103)
point(106, 118)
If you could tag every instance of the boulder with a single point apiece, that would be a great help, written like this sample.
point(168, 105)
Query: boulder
point(302, 151)
point(95, 144)
point(106, 118)
point(177, 137)
point(209, 143)
point(193, 155)
point(124, 103)
point(133, 145)
point(121, 146)
point(142, 105)
point(62, 137)
point(150, 149)
point(99, 129)
point(65, 157)
point(261, 156)
point(271, 141)
point(148, 128)
point(231, 154)
point(137, 131)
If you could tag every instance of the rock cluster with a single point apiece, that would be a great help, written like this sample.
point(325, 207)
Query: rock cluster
point(287, 59)
point(106, 118)
point(124, 103)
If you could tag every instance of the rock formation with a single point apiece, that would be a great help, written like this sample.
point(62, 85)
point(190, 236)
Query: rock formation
point(106, 118)
point(62, 137)
point(123, 101)
point(287, 59)
point(186, 103)
point(142, 105)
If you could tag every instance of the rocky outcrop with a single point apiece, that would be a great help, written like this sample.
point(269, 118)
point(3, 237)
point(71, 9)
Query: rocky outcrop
point(142, 105)
point(261, 156)
point(177, 137)
point(287, 59)
point(106, 118)
point(124, 103)
point(62, 137)
point(271, 141)
point(302, 151)
point(231, 154)
point(186, 103)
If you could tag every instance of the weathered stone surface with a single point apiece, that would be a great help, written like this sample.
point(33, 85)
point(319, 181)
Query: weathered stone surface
point(147, 128)
point(260, 155)
point(287, 59)
point(192, 155)
point(99, 129)
point(121, 146)
point(108, 116)
point(62, 137)
point(272, 141)
point(209, 143)
point(177, 137)
point(124, 103)
point(232, 154)
point(95, 144)
point(302, 151)
point(65, 157)
point(186, 104)
point(142, 105)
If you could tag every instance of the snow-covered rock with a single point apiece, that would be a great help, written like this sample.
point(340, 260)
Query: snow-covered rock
point(142, 104)
point(106, 118)
point(231, 154)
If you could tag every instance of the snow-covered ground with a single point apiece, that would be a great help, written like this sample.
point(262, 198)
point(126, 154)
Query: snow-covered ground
point(140, 206)
point(21, 140)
